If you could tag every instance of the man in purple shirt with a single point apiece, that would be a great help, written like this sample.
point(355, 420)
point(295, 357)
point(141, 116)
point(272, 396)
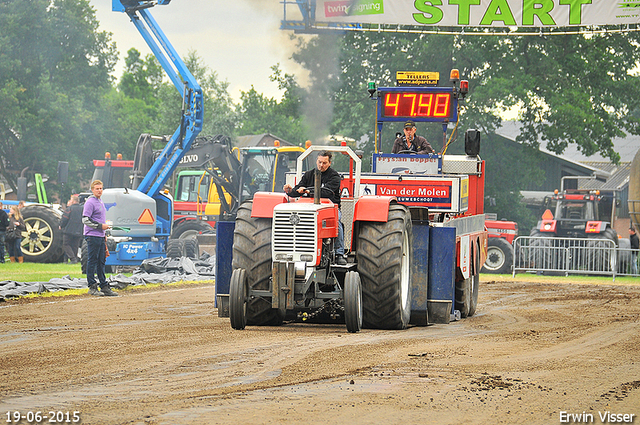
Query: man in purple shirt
point(94, 217)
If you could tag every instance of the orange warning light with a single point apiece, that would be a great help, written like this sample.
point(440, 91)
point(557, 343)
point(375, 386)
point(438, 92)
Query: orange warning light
point(146, 217)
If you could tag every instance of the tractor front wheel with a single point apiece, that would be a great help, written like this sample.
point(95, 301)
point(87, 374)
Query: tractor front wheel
point(353, 302)
point(237, 299)
point(384, 257)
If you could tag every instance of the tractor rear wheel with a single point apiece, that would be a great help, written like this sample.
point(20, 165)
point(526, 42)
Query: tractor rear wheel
point(475, 282)
point(467, 289)
point(464, 290)
point(237, 299)
point(353, 302)
point(499, 256)
point(384, 257)
point(252, 252)
point(599, 256)
point(42, 240)
point(542, 252)
point(191, 228)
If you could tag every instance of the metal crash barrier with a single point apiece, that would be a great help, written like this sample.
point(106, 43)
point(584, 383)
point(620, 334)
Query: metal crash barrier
point(565, 255)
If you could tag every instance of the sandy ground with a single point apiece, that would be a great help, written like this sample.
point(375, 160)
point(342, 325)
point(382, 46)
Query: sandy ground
point(533, 354)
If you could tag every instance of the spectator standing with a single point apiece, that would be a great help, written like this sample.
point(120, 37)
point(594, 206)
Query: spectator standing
point(4, 222)
point(72, 229)
point(14, 234)
point(94, 217)
point(635, 245)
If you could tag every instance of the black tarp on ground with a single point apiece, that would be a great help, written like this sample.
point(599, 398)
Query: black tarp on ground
point(155, 270)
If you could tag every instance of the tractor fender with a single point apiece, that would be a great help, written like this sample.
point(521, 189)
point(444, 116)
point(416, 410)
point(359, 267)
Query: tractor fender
point(372, 208)
point(264, 202)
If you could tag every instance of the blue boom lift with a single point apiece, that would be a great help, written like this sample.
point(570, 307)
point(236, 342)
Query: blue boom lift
point(142, 217)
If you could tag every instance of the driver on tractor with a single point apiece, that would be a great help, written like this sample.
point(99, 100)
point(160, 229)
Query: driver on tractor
point(410, 143)
point(329, 188)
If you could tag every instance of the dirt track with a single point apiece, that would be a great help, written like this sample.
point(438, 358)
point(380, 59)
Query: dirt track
point(164, 357)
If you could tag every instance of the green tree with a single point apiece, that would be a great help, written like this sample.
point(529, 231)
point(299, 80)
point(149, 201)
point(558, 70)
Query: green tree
point(219, 114)
point(259, 114)
point(141, 78)
point(54, 75)
point(568, 89)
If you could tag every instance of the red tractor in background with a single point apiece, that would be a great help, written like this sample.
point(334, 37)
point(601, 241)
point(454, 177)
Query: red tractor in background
point(577, 222)
point(500, 251)
point(577, 215)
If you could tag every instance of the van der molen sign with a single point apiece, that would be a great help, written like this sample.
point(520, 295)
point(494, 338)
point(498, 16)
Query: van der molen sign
point(481, 13)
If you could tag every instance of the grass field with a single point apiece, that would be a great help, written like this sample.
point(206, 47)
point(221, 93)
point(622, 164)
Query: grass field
point(44, 272)
point(38, 272)
point(578, 279)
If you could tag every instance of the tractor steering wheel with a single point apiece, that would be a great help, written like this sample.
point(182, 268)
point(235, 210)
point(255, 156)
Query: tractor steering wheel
point(309, 191)
point(408, 151)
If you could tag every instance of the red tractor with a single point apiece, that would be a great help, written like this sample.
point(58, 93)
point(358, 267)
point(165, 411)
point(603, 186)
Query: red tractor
point(283, 261)
point(403, 267)
point(414, 229)
point(500, 246)
point(576, 221)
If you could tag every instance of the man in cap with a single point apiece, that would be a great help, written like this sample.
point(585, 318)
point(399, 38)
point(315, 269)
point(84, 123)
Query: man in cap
point(410, 142)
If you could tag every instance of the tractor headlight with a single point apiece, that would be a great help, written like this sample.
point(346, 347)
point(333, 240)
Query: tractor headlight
point(284, 257)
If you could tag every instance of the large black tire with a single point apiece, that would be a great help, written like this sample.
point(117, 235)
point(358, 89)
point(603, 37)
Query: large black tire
point(353, 302)
point(238, 299)
point(541, 252)
point(464, 290)
point(191, 248)
point(84, 255)
point(601, 258)
point(475, 282)
point(175, 248)
point(624, 256)
point(252, 252)
point(384, 257)
point(42, 240)
point(499, 256)
point(190, 229)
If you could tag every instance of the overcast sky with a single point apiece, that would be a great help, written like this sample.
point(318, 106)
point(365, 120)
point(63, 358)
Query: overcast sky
point(239, 39)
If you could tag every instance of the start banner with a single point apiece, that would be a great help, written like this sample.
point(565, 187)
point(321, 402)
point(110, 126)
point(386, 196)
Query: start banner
point(481, 13)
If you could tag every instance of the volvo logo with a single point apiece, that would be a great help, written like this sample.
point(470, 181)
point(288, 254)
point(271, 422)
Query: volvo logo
point(294, 219)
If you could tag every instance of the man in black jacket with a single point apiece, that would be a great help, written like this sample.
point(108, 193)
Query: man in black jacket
point(329, 188)
point(71, 225)
point(410, 142)
point(4, 222)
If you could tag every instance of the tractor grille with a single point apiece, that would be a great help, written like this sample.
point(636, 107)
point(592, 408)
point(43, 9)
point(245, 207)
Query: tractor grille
point(295, 232)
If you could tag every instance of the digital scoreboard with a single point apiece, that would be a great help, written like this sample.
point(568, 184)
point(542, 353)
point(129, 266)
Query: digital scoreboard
point(420, 104)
